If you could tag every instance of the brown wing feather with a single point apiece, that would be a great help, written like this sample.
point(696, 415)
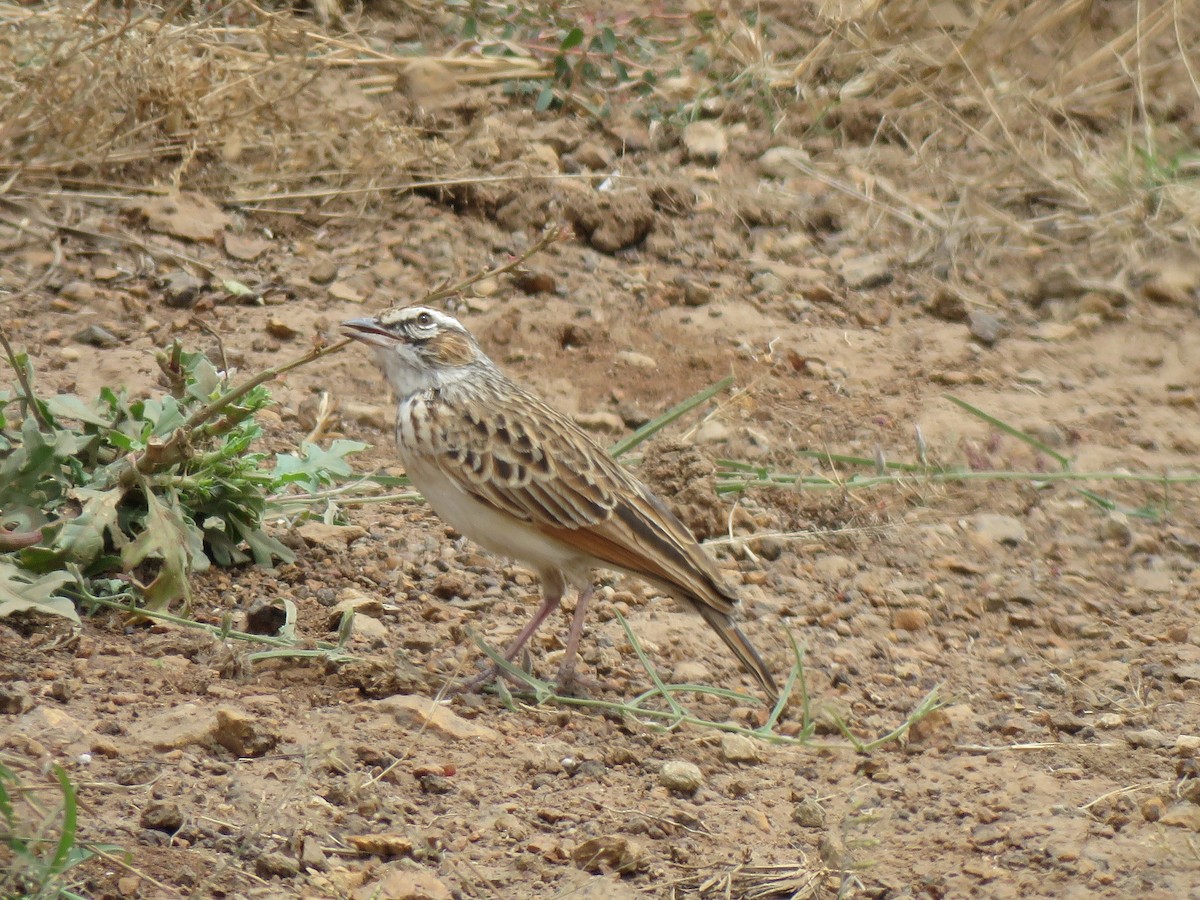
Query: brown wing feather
point(537, 464)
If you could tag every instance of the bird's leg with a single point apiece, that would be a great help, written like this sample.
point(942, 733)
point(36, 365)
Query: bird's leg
point(553, 587)
point(566, 671)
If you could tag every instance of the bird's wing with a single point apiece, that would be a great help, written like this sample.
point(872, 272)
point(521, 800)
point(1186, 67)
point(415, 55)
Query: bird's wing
point(537, 465)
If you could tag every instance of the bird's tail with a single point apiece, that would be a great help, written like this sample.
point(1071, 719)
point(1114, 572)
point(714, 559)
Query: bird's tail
point(724, 626)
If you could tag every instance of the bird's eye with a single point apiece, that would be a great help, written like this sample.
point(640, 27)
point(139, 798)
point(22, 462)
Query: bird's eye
point(424, 320)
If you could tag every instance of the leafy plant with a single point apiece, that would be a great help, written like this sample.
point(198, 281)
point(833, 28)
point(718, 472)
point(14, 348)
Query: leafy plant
point(40, 842)
point(152, 488)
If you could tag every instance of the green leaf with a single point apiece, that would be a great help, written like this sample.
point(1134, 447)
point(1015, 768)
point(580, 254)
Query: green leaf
point(69, 406)
point(545, 99)
point(166, 538)
point(81, 539)
point(573, 39)
point(19, 592)
point(315, 466)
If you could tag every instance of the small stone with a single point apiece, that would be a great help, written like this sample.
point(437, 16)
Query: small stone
point(277, 328)
point(404, 884)
point(784, 162)
point(865, 272)
point(1115, 527)
point(911, 620)
point(242, 734)
point(78, 292)
point(691, 672)
point(696, 294)
point(1153, 809)
point(1173, 284)
point(1187, 745)
point(275, 864)
point(162, 815)
point(15, 698)
point(593, 156)
point(1182, 815)
point(265, 616)
point(998, 529)
point(369, 629)
point(421, 713)
point(334, 538)
point(737, 748)
point(704, 142)
point(311, 854)
point(808, 813)
point(1150, 738)
point(834, 568)
point(96, 336)
point(181, 289)
point(637, 360)
point(680, 776)
point(245, 247)
point(1109, 721)
point(600, 420)
point(985, 327)
point(610, 853)
point(323, 271)
point(1152, 581)
point(712, 432)
point(129, 885)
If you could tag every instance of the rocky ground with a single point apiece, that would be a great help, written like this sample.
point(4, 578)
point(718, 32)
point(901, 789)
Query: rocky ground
point(852, 232)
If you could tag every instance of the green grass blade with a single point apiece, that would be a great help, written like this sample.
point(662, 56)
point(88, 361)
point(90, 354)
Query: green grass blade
point(66, 840)
point(1011, 431)
point(657, 424)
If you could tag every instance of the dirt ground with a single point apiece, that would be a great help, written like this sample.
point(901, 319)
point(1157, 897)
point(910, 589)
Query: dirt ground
point(850, 264)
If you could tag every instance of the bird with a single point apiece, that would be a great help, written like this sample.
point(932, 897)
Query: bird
point(523, 481)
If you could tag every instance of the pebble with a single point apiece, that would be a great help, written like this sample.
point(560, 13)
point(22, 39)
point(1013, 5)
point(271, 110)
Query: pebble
point(985, 327)
point(635, 359)
point(78, 292)
point(865, 272)
point(1150, 738)
point(162, 815)
point(833, 567)
point(808, 813)
point(712, 432)
point(1115, 527)
point(181, 289)
point(691, 672)
point(96, 336)
point(911, 620)
point(334, 538)
point(1174, 285)
point(784, 162)
point(610, 853)
point(704, 142)
point(737, 748)
point(1187, 745)
point(243, 733)
point(422, 713)
point(998, 529)
point(1182, 815)
point(323, 272)
point(680, 776)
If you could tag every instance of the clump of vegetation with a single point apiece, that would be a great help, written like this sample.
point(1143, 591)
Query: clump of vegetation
point(38, 843)
point(119, 494)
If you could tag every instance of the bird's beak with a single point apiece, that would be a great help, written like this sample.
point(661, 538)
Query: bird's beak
point(369, 331)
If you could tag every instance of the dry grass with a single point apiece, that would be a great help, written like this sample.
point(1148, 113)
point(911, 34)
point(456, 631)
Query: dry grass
point(101, 102)
point(1037, 128)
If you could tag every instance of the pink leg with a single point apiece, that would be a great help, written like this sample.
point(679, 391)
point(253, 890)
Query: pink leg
point(552, 592)
point(566, 671)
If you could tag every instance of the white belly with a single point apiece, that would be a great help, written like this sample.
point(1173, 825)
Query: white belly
point(494, 530)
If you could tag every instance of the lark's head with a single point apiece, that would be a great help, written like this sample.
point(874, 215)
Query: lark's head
point(418, 348)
